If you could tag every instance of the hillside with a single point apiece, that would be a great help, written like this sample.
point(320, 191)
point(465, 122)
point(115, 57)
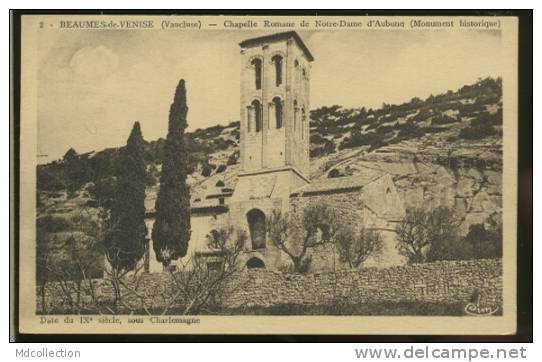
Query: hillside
point(444, 150)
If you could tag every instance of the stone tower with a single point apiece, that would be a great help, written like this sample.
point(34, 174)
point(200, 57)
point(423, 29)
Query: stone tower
point(274, 134)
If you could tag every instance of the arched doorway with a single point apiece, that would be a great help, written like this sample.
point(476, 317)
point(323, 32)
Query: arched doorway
point(255, 263)
point(256, 225)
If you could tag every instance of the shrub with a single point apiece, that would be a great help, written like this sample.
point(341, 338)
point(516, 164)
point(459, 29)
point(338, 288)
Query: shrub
point(358, 139)
point(329, 147)
point(206, 170)
point(443, 119)
point(53, 224)
point(233, 158)
point(221, 169)
point(485, 243)
point(410, 130)
point(477, 131)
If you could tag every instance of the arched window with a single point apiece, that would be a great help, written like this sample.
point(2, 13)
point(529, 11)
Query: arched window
point(277, 61)
point(257, 112)
point(277, 103)
point(257, 64)
point(256, 224)
point(255, 262)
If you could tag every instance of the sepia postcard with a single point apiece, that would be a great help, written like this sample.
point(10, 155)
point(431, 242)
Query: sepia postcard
point(230, 174)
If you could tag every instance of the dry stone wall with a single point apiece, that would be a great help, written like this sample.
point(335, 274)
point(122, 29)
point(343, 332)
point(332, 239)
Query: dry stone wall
point(444, 282)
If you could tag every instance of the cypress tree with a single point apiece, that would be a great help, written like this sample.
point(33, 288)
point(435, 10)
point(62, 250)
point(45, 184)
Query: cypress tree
point(125, 239)
point(171, 229)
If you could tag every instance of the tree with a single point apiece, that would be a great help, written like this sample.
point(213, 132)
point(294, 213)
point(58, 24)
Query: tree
point(485, 242)
point(295, 235)
point(171, 229)
point(428, 235)
point(356, 247)
point(70, 155)
point(126, 236)
point(203, 281)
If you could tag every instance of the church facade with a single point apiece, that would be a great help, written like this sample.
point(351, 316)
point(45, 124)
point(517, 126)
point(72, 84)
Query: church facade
point(274, 166)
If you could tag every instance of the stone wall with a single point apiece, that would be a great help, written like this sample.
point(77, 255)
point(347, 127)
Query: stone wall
point(444, 282)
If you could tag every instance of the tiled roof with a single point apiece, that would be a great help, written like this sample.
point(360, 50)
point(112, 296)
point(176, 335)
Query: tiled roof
point(337, 184)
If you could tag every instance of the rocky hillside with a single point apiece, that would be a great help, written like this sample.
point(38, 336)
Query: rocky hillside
point(444, 150)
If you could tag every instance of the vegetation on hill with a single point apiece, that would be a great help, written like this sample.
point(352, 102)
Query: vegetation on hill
point(470, 114)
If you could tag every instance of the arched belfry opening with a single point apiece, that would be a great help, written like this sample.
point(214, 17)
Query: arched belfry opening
point(257, 64)
point(256, 116)
point(256, 225)
point(255, 263)
point(277, 61)
point(277, 105)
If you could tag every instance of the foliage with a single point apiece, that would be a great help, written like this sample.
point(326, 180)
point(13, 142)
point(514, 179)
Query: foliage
point(201, 282)
point(358, 139)
point(171, 229)
point(355, 247)
point(125, 237)
point(485, 242)
point(104, 191)
point(365, 126)
point(68, 252)
point(443, 119)
point(295, 234)
point(428, 235)
point(233, 158)
point(477, 131)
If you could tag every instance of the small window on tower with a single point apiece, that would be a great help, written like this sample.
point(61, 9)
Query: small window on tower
point(257, 109)
point(277, 103)
point(277, 60)
point(257, 64)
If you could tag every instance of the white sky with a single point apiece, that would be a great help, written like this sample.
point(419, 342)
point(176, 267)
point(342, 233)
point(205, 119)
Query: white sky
point(94, 84)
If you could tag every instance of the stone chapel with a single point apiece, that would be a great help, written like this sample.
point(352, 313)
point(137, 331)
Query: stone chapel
point(274, 165)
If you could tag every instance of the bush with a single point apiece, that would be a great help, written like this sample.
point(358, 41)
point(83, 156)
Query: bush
point(53, 224)
point(329, 147)
point(443, 119)
point(49, 180)
point(334, 173)
point(221, 169)
point(410, 130)
point(477, 131)
point(358, 139)
point(206, 170)
point(485, 243)
point(233, 158)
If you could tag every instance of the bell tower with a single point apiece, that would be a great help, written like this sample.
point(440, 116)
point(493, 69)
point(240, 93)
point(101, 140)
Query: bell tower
point(274, 132)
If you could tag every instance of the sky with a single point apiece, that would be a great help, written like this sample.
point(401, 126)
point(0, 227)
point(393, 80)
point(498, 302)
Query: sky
point(93, 85)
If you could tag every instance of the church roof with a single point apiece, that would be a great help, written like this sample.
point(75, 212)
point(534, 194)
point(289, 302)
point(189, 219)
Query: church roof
point(278, 37)
point(337, 184)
